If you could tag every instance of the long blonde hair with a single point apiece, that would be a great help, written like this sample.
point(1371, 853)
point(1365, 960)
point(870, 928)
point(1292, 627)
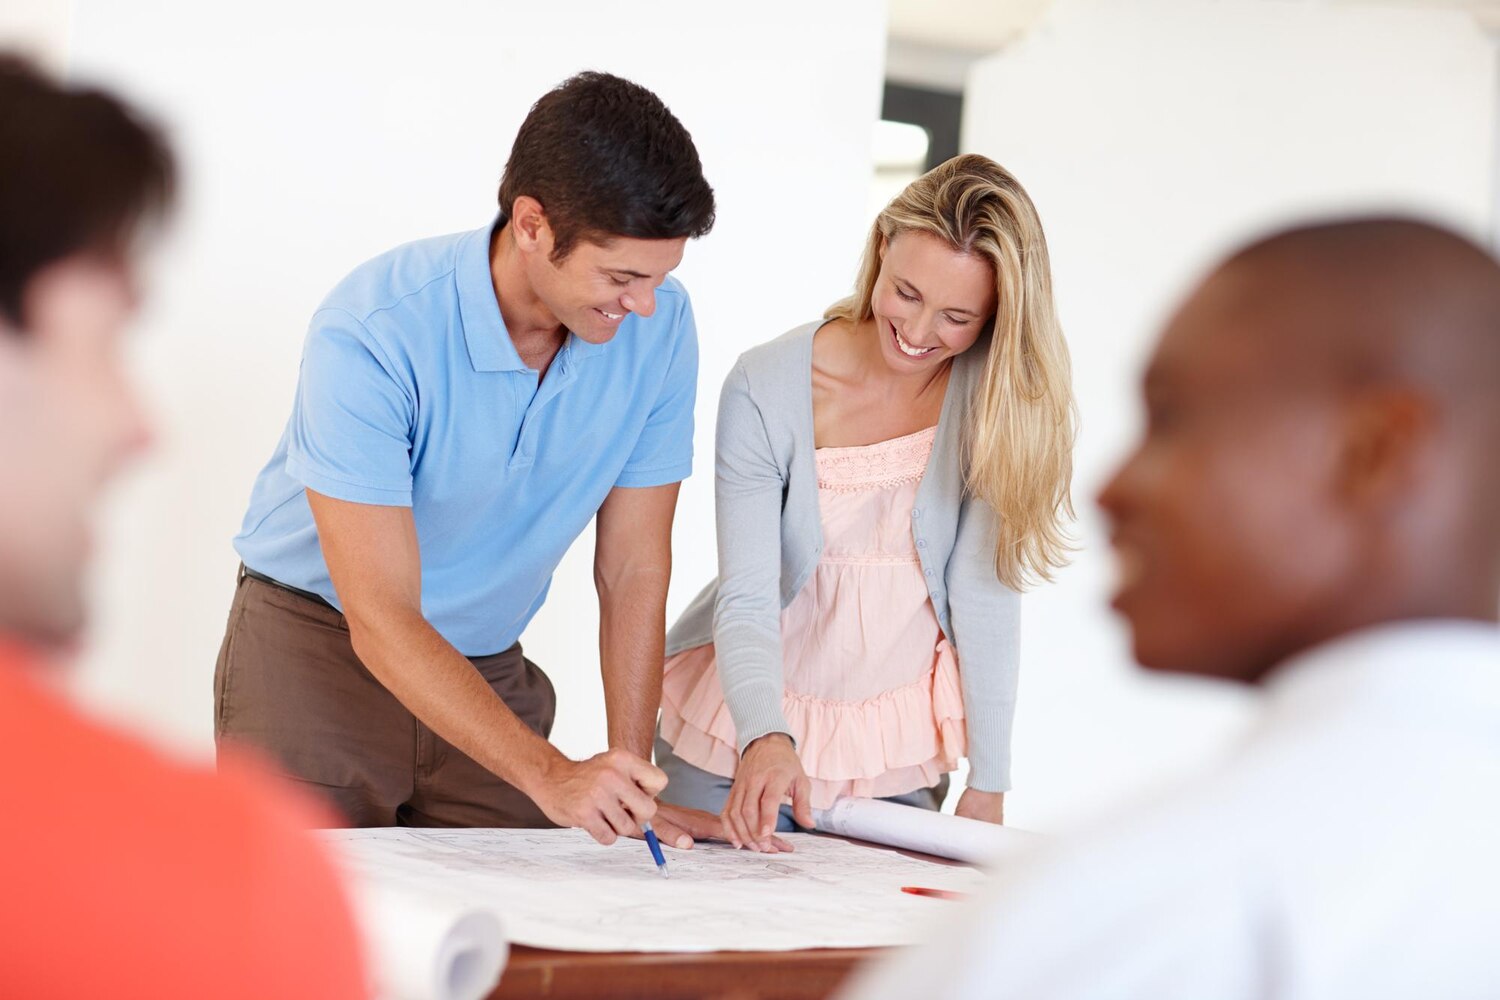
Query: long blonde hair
point(1018, 444)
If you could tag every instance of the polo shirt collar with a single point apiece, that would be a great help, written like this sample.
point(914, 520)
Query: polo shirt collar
point(490, 346)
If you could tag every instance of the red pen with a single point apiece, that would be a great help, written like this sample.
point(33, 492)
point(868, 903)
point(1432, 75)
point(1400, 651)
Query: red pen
point(917, 890)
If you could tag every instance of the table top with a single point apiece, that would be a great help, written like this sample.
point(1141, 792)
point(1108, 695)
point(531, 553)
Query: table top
point(721, 975)
point(812, 974)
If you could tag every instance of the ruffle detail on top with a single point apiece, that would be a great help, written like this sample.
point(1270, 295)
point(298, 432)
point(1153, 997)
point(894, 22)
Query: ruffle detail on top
point(871, 686)
point(876, 467)
point(897, 742)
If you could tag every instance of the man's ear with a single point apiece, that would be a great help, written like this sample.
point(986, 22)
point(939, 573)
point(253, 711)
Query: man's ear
point(1387, 436)
point(14, 365)
point(528, 221)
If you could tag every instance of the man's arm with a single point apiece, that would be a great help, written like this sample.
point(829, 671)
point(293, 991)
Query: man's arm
point(373, 558)
point(632, 567)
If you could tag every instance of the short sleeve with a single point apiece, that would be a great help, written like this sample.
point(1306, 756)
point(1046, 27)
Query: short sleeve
point(664, 451)
point(351, 427)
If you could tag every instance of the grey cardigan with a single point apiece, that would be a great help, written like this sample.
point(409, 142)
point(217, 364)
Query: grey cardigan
point(770, 536)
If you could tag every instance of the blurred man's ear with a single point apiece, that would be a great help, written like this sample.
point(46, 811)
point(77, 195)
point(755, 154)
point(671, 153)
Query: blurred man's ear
point(1387, 431)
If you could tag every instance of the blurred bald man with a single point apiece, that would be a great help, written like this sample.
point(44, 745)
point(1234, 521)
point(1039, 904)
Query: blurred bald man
point(1314, 509)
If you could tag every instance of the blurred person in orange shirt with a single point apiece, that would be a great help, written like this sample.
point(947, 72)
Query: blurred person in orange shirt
point(124, 874)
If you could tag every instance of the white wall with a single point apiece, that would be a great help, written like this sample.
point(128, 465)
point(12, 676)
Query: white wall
point(36, 29)
point(1154, 134)
point(315, 135)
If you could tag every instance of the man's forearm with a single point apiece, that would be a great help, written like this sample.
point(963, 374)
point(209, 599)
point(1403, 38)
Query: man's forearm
point(442, 689)
point(632, 633)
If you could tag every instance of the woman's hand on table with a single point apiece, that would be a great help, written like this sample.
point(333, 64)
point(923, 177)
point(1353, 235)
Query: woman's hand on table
point(769, 772)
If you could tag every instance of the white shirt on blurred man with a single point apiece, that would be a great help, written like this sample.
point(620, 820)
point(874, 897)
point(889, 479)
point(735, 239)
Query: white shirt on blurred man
point(1350, 849)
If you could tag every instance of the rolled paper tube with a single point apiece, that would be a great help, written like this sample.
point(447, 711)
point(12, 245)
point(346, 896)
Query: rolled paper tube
point(924, 830)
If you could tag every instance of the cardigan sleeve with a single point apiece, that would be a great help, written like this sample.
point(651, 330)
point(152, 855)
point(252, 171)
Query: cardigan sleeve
point(986, 622)
point(749, 486)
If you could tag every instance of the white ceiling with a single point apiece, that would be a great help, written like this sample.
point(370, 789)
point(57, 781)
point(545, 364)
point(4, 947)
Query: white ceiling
point(967, 25)
point(988, 25)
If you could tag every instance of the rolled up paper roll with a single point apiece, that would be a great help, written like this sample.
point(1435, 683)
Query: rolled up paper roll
point(923, 830)
point(429, 947)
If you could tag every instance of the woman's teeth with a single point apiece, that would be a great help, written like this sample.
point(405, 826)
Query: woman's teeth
point(908, 349)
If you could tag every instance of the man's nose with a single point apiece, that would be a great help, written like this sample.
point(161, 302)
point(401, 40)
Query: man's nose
point(642, 303)
point(1115, 496)
point(136, 435)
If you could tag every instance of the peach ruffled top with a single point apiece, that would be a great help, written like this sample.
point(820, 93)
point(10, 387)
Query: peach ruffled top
point(871, 687)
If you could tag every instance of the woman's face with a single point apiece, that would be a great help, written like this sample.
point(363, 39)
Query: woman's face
point(931, 302)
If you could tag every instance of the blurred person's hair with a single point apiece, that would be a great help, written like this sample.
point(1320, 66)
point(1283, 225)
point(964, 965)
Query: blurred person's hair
point(606, 158)
point(79, 173)
point(1019, 441)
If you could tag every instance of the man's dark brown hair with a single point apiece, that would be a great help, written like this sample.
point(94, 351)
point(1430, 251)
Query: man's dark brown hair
point(606, 158)
point(79, 172)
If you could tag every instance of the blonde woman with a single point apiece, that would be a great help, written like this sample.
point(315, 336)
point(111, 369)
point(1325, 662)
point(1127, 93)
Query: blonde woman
point(887, 481)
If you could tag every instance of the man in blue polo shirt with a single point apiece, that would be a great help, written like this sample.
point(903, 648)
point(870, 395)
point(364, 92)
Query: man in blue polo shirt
point(466, 405)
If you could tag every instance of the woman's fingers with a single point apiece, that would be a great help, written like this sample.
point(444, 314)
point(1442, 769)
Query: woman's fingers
point(802, 802)
point(734, 823)
point(770, 806)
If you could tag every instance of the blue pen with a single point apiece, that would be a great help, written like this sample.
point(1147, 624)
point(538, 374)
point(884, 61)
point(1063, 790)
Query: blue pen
point(655, 845)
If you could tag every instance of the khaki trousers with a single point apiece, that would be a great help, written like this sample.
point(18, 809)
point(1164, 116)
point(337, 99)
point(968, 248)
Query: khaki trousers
point(288, 685)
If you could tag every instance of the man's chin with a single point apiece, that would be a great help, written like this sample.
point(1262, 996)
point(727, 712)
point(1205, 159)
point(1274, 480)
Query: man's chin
point(1167, 648)
point(54, 622)
point(596, 332)
point(1159, 641)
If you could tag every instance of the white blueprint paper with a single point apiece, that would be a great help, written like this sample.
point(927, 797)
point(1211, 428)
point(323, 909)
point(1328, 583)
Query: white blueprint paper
point(559, 889)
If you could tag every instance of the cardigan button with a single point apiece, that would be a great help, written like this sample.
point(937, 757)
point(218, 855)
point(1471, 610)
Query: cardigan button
point(916, 512)
point(921, 543)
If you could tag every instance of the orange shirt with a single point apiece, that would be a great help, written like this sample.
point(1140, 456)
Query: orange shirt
point(125, 875)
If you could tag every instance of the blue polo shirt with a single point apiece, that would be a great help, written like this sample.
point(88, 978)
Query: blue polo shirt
point(411, 394)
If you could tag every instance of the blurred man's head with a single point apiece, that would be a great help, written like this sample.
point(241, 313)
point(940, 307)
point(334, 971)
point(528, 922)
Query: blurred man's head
point(1322, 450)
point(80, 178)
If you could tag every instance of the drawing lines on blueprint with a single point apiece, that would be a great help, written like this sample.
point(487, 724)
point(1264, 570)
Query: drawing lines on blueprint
point(558, 889)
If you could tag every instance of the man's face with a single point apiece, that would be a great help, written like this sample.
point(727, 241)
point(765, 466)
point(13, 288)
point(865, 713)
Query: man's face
point(596, 286)
point(68, 421)
point(1228, 526)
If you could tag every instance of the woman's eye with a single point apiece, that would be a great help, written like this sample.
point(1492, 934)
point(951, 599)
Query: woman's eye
point(908, 298)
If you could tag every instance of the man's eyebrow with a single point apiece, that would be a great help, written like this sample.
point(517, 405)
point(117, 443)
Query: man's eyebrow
point(622, 270)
